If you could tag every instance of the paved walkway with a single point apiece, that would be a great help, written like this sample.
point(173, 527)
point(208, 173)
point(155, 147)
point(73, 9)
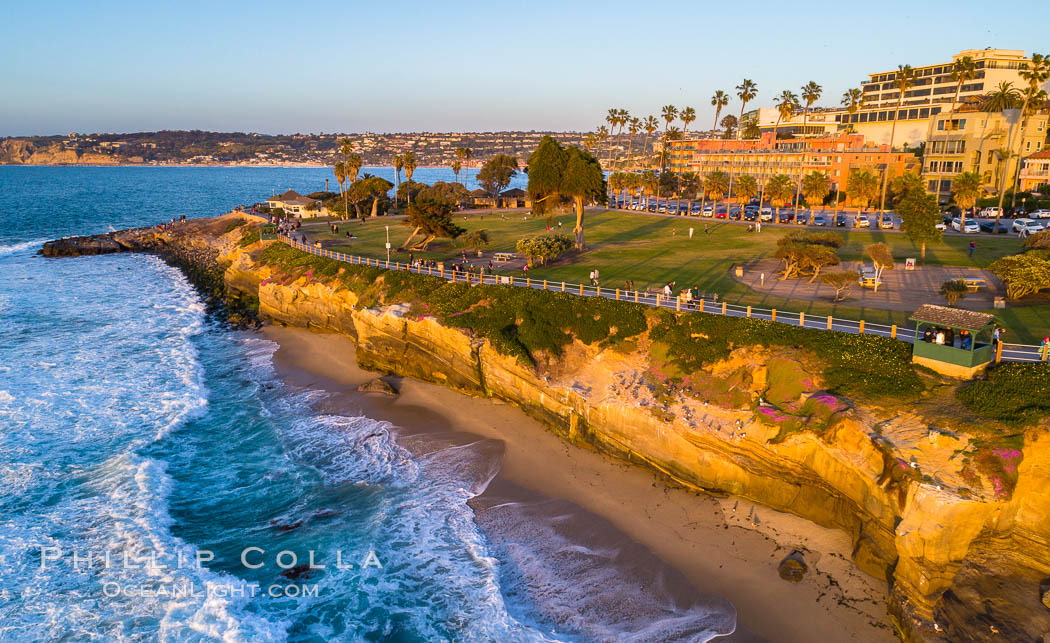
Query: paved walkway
point(901, 289)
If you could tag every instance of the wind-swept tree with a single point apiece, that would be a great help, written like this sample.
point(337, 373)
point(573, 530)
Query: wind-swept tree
point(432, 217)
point(718, 101)
point(881, 260)
point(746, 91)
point(565, 173)
point(368, 188)
point(496, 175)
point(903, 80)
point(919, 217)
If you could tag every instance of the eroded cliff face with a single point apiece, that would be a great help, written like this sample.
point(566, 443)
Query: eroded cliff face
point(963, 563)
point(21, 152)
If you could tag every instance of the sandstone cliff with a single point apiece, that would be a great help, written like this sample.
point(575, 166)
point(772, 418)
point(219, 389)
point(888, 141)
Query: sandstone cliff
point(21, 152)
point(966, 558)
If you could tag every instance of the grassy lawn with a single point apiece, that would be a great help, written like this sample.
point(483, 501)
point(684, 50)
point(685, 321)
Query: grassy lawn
point(655, 250)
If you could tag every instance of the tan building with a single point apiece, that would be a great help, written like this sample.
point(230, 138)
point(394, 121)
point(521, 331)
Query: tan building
point(970, 140)
point(1035, 172)
point(295, 204)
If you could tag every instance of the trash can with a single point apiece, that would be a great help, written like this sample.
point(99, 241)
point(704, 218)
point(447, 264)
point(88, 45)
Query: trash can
point(739, 271)
point(999, 302)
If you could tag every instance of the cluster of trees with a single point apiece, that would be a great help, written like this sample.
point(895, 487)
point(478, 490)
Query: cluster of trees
point(560, 174)
point(1027, 273)
point(544, 249)
point(432, 216)
point(807, 253)
point(496, 174)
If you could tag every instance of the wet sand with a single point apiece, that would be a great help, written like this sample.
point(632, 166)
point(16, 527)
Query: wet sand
point(713, 544)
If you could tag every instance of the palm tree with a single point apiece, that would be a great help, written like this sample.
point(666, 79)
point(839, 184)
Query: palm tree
point(787, 104)
point(811, 92)
point(967, 187)
point(650, 125)
point(590, 141)
point(779, 187)
point(729, 124)
point(633, 127)
point(612, 117)
point(399, 163)
point(669, 112)
point(625, 118)
point(340, 178)
point(862, 186)
point(353, 166)
point(963, 70)
point(717, 185)
point(852, 99)
point(601, 134)
point(462, 153)
point(815, 187)
point(688, 115)
point(1038, 72)
point(746, 188)
point(346, 147)
point(457, 165)
point(746, 91)
point(409, 160)
point(718, 101)
point(903, 80)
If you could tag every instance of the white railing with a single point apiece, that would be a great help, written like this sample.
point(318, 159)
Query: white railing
point(1009, 352)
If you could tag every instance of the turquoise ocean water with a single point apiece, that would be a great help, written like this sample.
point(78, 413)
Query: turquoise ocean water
point(133, 425)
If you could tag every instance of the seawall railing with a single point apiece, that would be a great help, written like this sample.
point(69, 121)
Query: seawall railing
point(1009, 352)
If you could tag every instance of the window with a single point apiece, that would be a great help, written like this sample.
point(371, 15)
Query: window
point(1028, 146)
point(932, 186)
point(924, 112)
point(940, 126)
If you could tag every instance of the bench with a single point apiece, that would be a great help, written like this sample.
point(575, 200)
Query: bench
point(503, 256)
point(973, 284)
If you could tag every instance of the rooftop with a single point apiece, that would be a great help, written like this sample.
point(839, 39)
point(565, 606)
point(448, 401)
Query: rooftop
point(953, 317)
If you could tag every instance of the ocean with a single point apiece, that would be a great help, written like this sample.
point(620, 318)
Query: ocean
point(158, 481)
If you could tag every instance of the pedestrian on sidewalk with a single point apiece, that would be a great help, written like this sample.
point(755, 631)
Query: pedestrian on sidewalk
point(973, 246)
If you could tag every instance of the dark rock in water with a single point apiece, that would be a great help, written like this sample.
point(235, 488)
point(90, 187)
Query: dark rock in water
point(1044, 589)
point(378, 385)
point(297, 572)
point(287, 526)
point(793, 568)
point(101, 244)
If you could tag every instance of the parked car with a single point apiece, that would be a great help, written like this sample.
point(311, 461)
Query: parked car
point(886, 223)
point(695, 209)
point(652, 206)
point(840, 221)
point(991, 212)
point(709, 210)
point(750, 215)
point(862, 221)
point(672, 209)
point(1027, 225)
point(802, 218)
point(818, 219)
point(1040, 214)
point(970, 227)
point(1018, 212)
point(941, 226)
point(721, 213)
point(991, 227)
point(785, 216)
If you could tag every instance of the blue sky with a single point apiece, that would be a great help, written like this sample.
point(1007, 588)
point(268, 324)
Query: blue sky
point(425, 66)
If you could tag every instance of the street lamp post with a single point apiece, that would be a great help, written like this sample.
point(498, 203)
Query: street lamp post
point(388, 244)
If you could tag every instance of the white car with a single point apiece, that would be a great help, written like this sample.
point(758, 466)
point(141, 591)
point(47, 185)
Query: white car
point(941, 225)
point(862, 221)
point(1027, 225)
point(991, 212)
point(1040, 214)
point(709, 211)
point(886, 223)
point(970, 227)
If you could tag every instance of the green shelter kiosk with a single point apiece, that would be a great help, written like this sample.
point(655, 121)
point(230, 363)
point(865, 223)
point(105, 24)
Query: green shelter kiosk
point(951, 341)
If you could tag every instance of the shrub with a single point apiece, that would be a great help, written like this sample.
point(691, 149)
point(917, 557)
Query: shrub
point(953, 290)
point(544, 249)
point(1013, 393)
point(1023, 275)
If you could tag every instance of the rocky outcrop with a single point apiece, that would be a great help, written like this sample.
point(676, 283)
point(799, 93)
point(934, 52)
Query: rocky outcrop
point(22, 152)
point(960, 562)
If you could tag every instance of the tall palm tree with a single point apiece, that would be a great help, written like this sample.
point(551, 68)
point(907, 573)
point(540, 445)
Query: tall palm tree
point(625, 118)
point(787, 105)
point(353, 166)
point(409, 160)
point(687, 116)
point(650, 125)
point(852, 100)
point(612, 117)
point(1005, 96)
point(815, 187)
point(719, 100)
point(669, 112)
point(457, 166)
point(967, 187)
point(746, 91)
point(811, 92)
point(862, 186)
point(903, 80)
point(461, 154)
point(963, 70)
point(340, 178)
point(601, 134)
point(1038, 72)
point(633, 127)
point(399, 164)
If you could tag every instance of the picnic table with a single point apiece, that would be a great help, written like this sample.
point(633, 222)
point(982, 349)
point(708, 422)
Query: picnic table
point(503, 256)
point(974, 284)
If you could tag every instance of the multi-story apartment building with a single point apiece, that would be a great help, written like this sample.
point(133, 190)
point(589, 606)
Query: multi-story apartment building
point(837, 155)
point(932, 94)
point(969, 140)
point(1035, 172)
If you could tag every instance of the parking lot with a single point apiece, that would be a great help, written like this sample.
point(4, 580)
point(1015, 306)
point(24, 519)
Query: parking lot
point(818, 217)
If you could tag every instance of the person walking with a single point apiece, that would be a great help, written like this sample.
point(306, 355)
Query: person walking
point(1044, 350)
point(973, 246)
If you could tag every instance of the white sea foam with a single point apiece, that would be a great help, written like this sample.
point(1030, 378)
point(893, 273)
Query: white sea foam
point(17, 248)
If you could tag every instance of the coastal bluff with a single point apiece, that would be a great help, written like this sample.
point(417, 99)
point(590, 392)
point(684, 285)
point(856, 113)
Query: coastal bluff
point(966, 558)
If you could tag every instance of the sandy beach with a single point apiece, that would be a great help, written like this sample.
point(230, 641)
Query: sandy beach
point(714, 543)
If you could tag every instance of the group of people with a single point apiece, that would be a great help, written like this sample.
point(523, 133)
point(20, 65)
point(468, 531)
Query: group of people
point(170, 225)
point(946, 337)
point(287, 226)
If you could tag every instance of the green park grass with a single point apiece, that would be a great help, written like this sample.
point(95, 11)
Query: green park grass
point(652, 250)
